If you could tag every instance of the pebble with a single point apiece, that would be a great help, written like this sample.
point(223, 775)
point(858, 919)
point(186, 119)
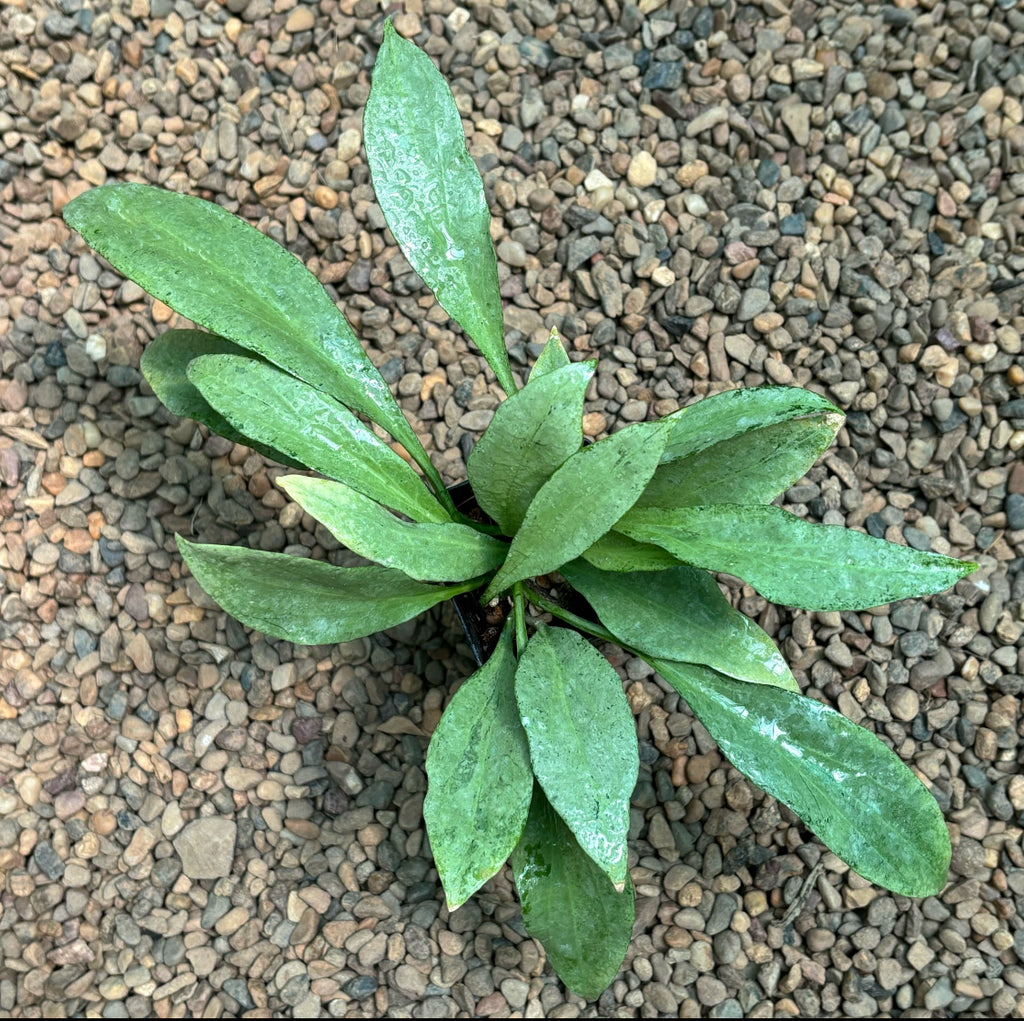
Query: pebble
point(206, 847)
point(642, 170)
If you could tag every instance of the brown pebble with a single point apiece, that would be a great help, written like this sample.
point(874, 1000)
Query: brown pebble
point(78, 540)
point(301, 19)
point(324, 197)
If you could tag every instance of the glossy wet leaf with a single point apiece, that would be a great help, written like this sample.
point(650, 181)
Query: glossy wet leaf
point(753, 467)
point(617, 552)
point(581, 501)
point(847, 786)
point(428, 552)
point(531, 434)
point(584, 923)
point(229, 278)
point(479, 777)
point(791, 561)
point(552, 357)
point(308, 601)
point(681, 614)
point(164, 362)
point(431, 194)
point(582, 741)
point(733, 413)
point(312, 429)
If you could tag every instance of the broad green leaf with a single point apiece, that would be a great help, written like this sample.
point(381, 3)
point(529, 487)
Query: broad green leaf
point(617, 552)
point(164, 362)
point(791, 561)
point(736, 412)
point(584, 923)
point(552, 357)
point(581, 501)
point(582, 741)
point(845, 784)
point(308, 601)
point(312, 429)
point(227, 277)
point(427, 552)
point(431, 194)
point(681, 614)
point(753, 467)
point(531, 434)
point(480, 779)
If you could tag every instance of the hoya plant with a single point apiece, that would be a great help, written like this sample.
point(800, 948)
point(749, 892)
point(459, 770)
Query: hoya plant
point(535, 757)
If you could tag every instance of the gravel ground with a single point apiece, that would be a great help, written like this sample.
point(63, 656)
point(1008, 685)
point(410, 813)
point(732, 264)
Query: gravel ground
point(199, 821)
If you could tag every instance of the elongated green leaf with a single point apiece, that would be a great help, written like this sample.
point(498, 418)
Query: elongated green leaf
point(230, 279)
point(480, 779)
point(308, 601)
point(681, 614)
point(431, 194)
point(617, 552)
point(312, 429)
point(856, 795)
point(753, 467)
point(582, 741)
point(531, 434)
point(164, 362)
point(581, 501)
point(552, 357)
point(569, 905)
point(791, 561)
point(736, 412)
point(427, 552)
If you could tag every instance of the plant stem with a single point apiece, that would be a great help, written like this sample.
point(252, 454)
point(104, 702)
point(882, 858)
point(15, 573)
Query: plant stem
point(580, 623)
point(519, 607)
point(480, 526)
point(441, 492)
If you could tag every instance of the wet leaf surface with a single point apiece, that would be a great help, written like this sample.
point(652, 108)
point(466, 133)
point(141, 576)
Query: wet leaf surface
point(569, 904)
point(857, 796)
point(431, 194)
point(791, 561)
point(480, 778)
point(308, 601)
point(582, 741)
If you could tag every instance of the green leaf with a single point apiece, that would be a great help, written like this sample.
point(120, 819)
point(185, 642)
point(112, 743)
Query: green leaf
point(569, 905)
point(164, 362)
point(752, 467)
point(312, 429)
point(791, 561)
point(737, 412)
point(581, 501)
point(617, 552)
point(227, 277)
point(846, 785)
point(531, 434)
point(308, 601)
point(427, 552)
point(480, 779)
point(681, 614)
point(431, 194)
point(582, 741)
point(552, 357)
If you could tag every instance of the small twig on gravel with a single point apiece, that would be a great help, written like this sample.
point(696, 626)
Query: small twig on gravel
point(800, 900)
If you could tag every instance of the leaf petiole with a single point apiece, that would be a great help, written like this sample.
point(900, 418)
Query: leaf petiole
point(588, 627)
point(519, 609)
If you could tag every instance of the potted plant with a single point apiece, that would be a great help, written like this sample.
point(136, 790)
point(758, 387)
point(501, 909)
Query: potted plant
point(535, 757)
